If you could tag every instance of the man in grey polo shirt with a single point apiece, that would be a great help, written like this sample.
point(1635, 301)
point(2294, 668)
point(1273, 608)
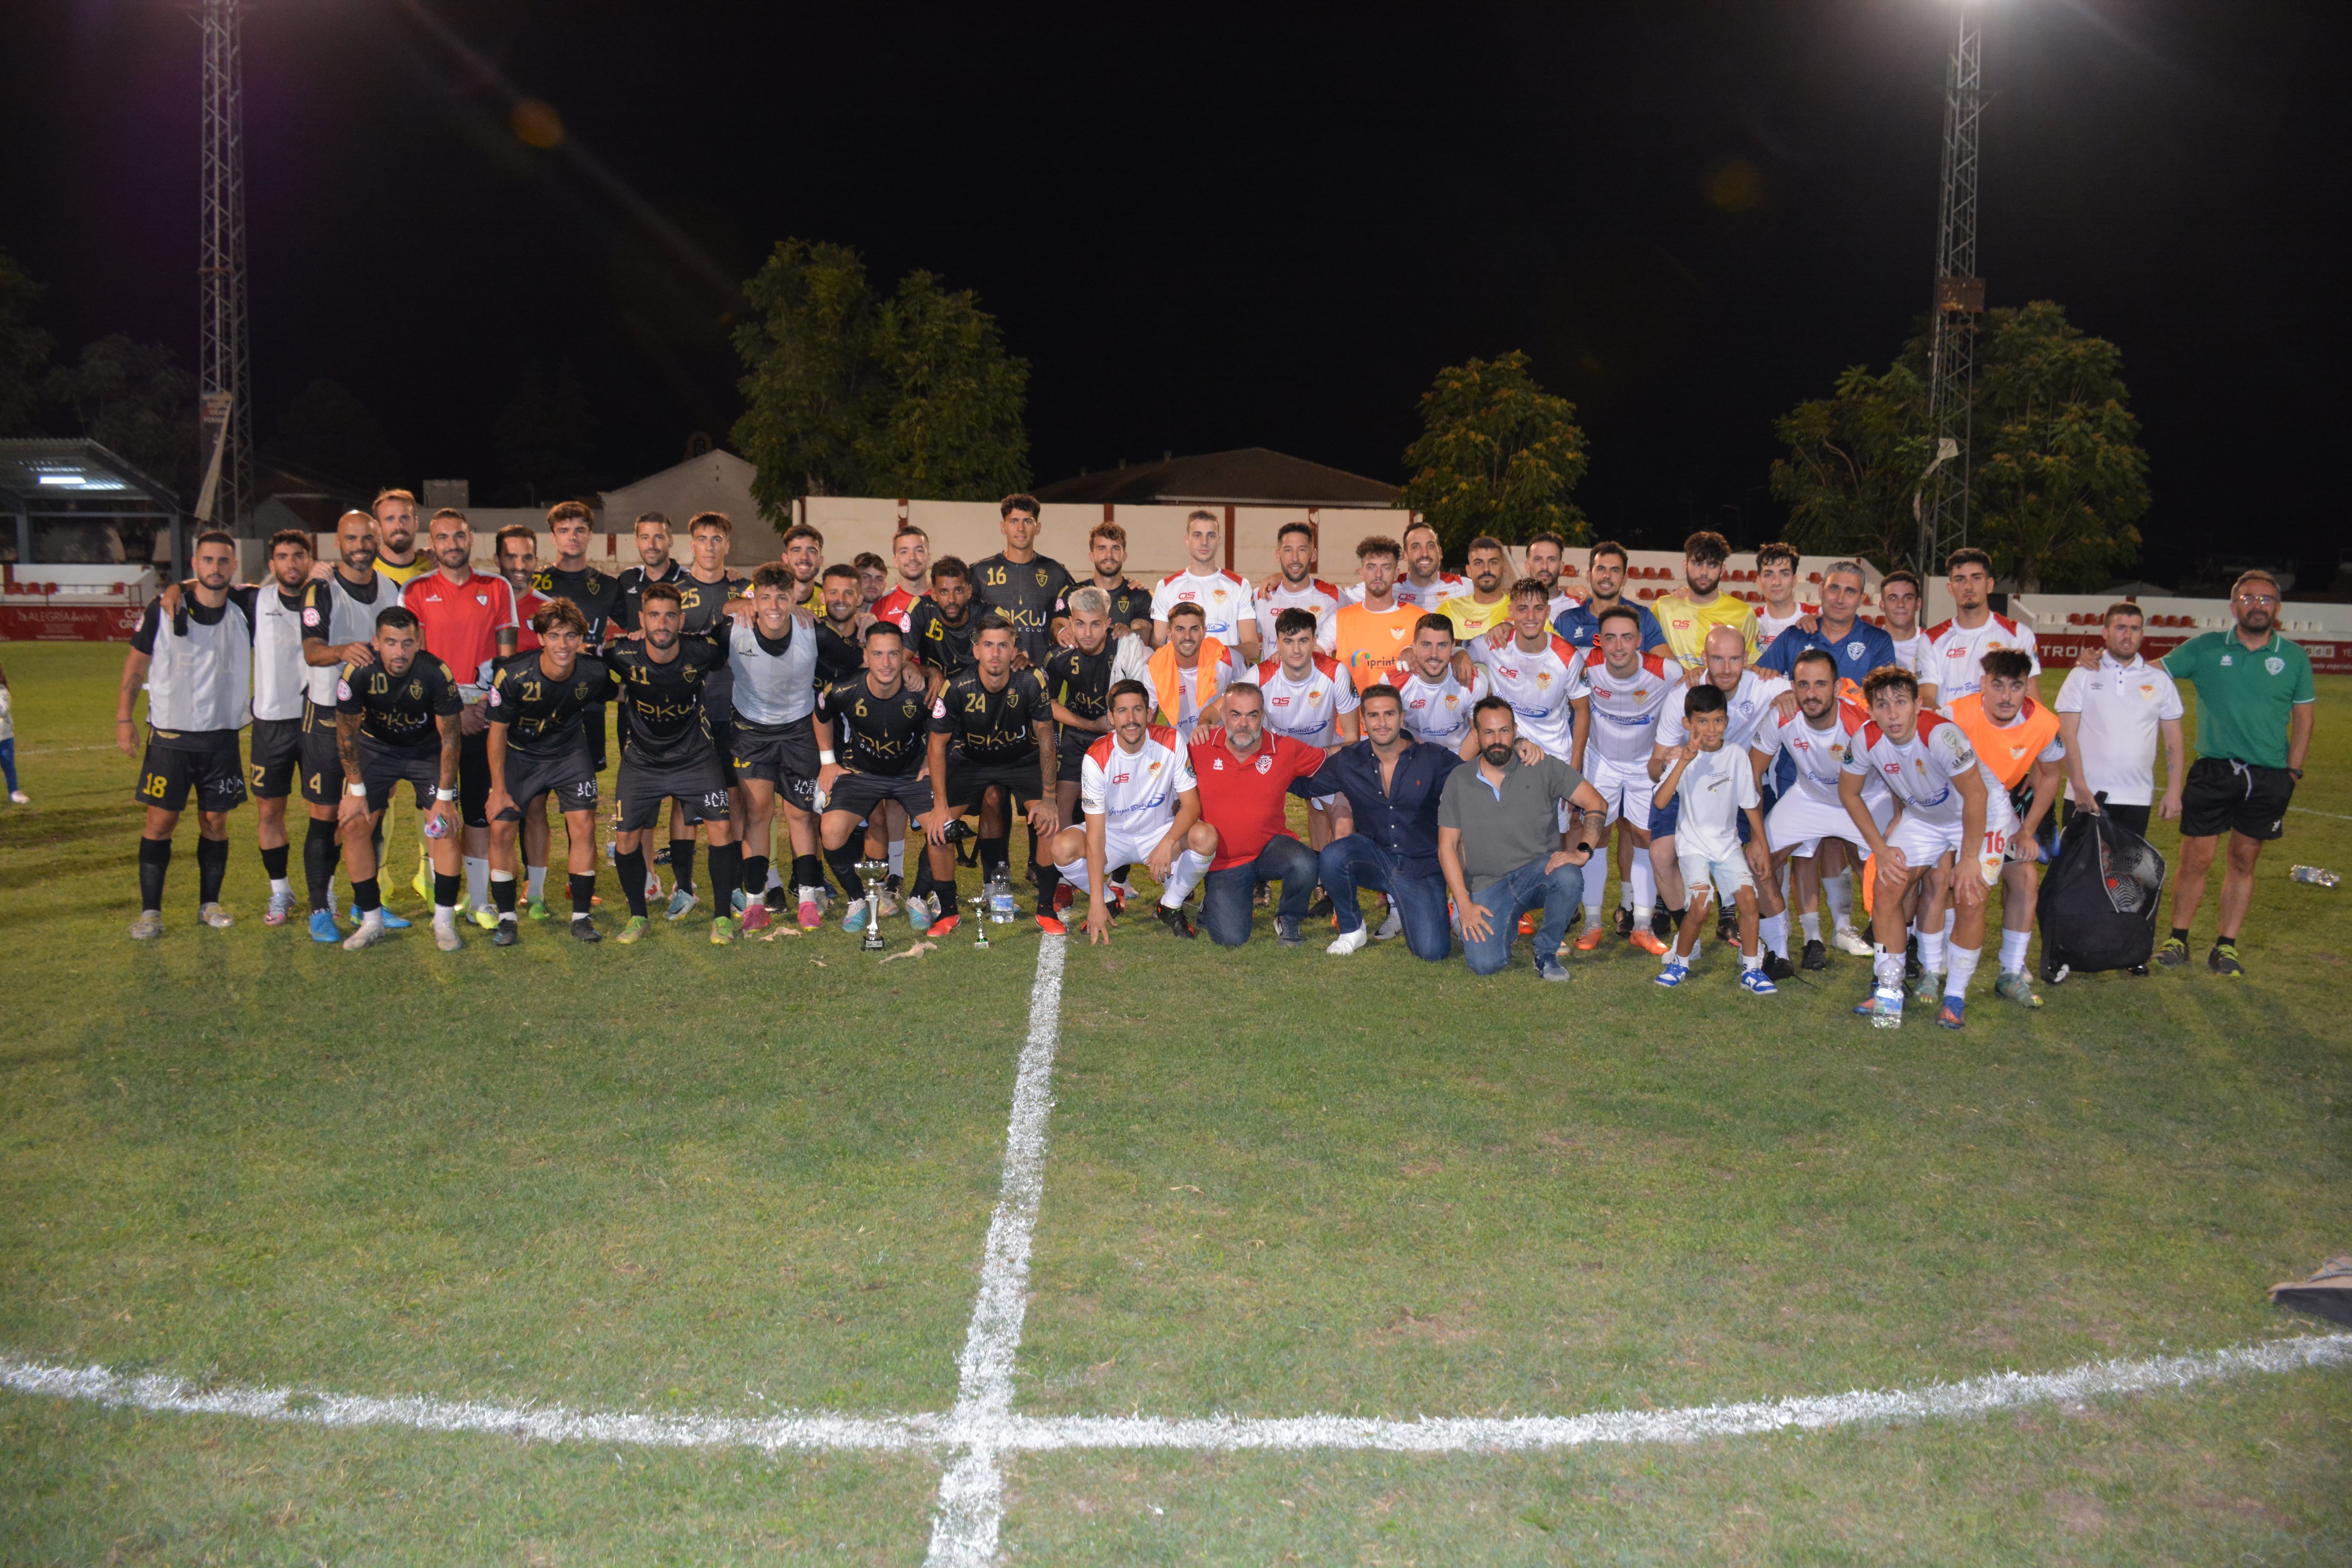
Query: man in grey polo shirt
point(1505, 843)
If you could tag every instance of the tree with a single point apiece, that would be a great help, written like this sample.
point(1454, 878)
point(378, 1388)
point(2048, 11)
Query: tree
point(2057, 480)
point(1854, 465)
point(1498, 454)
point(2060, 478)
point(134, 399)
point(546, 435)
point(811, 383)
point(329, 429)
point(24, 351)
point(848, 394)
point(951, 429)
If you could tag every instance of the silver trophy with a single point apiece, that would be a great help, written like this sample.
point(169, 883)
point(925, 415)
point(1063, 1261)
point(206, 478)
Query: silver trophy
point(872, 873)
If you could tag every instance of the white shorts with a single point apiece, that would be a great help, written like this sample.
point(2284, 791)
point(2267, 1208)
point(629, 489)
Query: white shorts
point(1925, 842)
point(1119, 849)
point(1624, 788)
point(1802, 820)
point(1728, 876)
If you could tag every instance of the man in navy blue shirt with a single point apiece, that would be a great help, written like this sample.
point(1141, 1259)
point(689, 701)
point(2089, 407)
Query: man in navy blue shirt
point(1604, 571)
point(1858, 647)
point(1393, 783)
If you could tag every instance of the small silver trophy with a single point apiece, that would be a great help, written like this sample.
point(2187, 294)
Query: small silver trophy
point(873, 873)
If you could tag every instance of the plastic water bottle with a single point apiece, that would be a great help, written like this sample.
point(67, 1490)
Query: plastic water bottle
point(2316, 876)
point(1000, 900)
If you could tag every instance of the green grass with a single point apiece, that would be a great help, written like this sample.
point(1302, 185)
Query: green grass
point(674, 1177)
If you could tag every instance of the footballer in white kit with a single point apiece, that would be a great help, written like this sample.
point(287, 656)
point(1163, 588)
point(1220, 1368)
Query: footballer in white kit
point(1954, 662)
point(1428, 600)
point(1318, 598)
point(1225, 599)
point(1770, 625)
point(1626, 709)
point(1436, 703)
point(1751, 707)
point(1811, 811)
point(1307, 707)
point(1919, 773)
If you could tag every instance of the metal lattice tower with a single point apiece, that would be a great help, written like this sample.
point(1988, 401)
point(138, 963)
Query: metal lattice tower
point(224, 367)
point(1941, 506)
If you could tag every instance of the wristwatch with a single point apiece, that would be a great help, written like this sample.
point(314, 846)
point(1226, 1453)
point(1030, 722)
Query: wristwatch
point(2296, 773)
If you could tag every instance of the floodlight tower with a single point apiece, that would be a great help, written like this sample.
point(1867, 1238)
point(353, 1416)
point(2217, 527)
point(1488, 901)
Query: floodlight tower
point(224, 367)
point(1941, 506)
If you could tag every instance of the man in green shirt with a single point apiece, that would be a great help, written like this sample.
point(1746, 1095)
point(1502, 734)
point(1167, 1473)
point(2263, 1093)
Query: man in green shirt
point(2254, 707)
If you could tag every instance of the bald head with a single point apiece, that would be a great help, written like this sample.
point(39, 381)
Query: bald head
point(355, 542)
point(1727, 656)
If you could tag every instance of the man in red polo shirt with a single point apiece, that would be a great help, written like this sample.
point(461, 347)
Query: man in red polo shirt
point(1245, 776)
point(468, 620)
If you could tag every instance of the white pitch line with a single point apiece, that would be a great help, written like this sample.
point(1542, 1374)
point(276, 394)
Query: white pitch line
point(1008, 1433)
point(541, 1422)
point(971, 1510)
point(2307, 811)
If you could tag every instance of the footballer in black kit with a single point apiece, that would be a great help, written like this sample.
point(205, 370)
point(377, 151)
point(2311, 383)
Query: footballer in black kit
point(398, 738)
point(633, 583)
point(993, 731)
point(1079, 682)
point(939, 628)
point(1025, 591)
point(670, 754)
point(702, 609)
point(597, 596)
point(537, 705)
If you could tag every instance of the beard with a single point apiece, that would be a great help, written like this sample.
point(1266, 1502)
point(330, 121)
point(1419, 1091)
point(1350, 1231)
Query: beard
point(1497, 755)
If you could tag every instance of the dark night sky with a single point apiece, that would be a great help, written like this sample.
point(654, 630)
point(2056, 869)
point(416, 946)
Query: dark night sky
point(1210, 228)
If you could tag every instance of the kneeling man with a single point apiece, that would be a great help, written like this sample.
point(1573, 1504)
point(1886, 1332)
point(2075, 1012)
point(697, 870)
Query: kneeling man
point(1499, 844)
point(1141, 806)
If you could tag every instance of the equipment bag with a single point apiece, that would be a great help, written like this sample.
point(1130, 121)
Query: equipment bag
point(2099, 897)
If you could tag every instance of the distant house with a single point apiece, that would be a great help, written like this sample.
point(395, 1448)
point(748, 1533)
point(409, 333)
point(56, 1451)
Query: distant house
point(1247, 476)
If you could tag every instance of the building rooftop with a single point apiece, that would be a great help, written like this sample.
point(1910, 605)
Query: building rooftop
point(1247, 476)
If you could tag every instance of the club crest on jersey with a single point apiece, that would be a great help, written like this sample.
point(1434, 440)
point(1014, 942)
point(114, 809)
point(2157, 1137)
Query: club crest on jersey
point(1154, 767)
point(1041, 576)
point(310, 616)
point(1266, 762)
point(1853, 651)
point(483, 599)
point(416, 690)
point(2275, 665)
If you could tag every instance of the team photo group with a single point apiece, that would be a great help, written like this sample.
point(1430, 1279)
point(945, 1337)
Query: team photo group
point(1476, 748)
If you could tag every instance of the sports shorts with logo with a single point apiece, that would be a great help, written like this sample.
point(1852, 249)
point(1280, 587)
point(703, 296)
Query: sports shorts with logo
point(276, 755)
point(178, 762)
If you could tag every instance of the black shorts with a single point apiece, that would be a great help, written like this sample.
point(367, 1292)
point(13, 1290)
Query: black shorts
point(322, 759)
point(569, 778)
point(1071, 754)
point(722, 745)
point(474, 779)
point(383, 769)
point(969, 779)
point(275, 754)
point(863, 794)
point(779, 754)
point(2223, 796)
point(697, 787)
point(213, 771)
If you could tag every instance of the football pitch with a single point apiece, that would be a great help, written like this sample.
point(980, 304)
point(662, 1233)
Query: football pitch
point(1154, 1253)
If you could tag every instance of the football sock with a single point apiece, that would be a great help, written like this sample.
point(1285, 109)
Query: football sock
point(726, 870)
point(446, 888)
point(211, 864)
point(2180, 933)
point(1188, 866)
point(2013, 949)
point(1753, 960)
point(1645, 885)
point(1810, 922)
point(1596, 880)
point(273, 861)
point(1931, 953)
point(995, 854)
point(1964, 966)
point(583, 892)
point(477, 881)
point(1774, 929)
point(1049, 882)
point(155, 859)
point(681, 865)
point(318, 863)
point(1839, 891)
point(368, 900)
point(502, 893)
point(534, 882)
point(808, 871)
point(898, 857)
point(754, 877)
point(631, 864)
point(843, 862)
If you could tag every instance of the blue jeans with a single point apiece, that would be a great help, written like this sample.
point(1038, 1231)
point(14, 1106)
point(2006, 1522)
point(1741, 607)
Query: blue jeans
point(1504, 900)
point(1356, 861)
point(1227, 896)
